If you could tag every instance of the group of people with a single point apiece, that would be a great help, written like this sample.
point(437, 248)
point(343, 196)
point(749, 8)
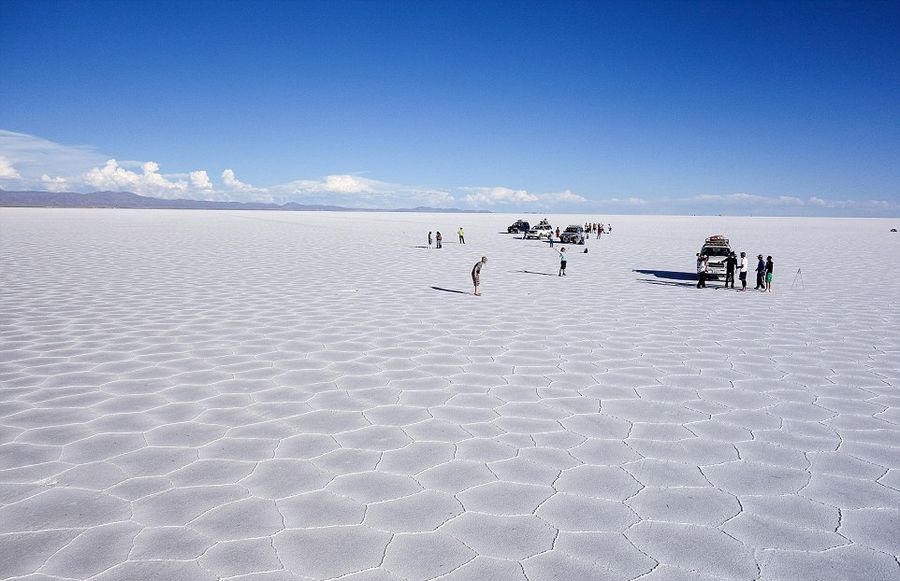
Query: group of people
point(439, 238)
point(598, 228)
point(764, 271)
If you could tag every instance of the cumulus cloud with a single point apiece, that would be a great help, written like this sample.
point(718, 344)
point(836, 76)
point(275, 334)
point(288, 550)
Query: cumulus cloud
point(149, 181)
point(7, 171)
point(498, 195)
point(503, 195)
point(365, 192)
point(200, 180)
point(54, 184)
point(232, 183)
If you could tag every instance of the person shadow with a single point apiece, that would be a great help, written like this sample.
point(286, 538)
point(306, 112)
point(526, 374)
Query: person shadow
point(533, 272)
point(449, 290)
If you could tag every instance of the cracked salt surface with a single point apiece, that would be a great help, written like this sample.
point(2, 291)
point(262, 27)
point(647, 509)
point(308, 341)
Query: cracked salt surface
point(203, 395)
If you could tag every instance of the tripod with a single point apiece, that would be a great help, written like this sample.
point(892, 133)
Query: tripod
point(798, 276)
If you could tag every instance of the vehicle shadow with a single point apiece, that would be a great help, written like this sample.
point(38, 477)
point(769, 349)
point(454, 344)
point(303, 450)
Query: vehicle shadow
point(532, 272)
point(449, 290)
point(669, 274)
point(669, 283)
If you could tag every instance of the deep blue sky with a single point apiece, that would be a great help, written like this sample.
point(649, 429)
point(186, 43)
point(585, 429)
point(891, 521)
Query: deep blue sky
point(658, 101)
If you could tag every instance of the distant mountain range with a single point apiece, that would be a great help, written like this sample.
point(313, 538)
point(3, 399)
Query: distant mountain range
point(36, 199)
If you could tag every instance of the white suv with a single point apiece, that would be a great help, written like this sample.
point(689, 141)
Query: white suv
point(540, 231)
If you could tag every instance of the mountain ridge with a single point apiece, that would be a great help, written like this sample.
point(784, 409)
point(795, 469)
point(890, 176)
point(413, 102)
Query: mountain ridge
point(130, 200)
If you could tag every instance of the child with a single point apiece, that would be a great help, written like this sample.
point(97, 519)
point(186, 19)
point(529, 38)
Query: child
point(562, 262)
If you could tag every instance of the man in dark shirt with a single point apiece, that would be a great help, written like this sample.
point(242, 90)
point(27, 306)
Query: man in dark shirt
point(760, 273)
point(730, 264)
point(476, 274)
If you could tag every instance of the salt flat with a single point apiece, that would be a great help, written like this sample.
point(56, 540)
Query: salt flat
point(271, 396)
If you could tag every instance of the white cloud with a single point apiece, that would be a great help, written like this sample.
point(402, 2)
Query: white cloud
point(631, 201)
point(365, 192)
point(742, 198)
point(503, 195)
point(200, 180)
point(7, 171)
point(563, 196)
point(498, 195)
point(232, 183)
point(56, 184)
point(149, 182)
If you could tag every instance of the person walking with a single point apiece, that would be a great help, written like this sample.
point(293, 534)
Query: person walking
point(438, 239)
point(770, 267)
point(730, 265)
point(760, 273)
point(462, 236)
point(744, 266)
point(702, 267)
point(429, 239)
point(476, 274)
point(562, 262)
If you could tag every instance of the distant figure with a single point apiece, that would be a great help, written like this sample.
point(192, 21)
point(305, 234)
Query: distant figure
point(702, 268)
point(476, 274)
point(760, 273)
point(609, 228)
point(550, 239)
point(770, 267)
point(730, 265)
point(438, 239)
point(599, 230)
point(462, 236)
point(557, 231)
point(429, 239)
point(562, 262)
point(744, 267)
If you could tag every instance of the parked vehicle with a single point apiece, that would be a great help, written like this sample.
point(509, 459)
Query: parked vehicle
point(540, 231)
point(519, 226)
point(716, 248)
point(572, 235)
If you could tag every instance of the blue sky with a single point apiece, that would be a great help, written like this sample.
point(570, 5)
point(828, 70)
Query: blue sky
point(706, 107)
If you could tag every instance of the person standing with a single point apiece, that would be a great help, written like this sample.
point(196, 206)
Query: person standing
point(702, 266)
point(562, 262)
point(476, 274)
point(744, 267)
point(462, 236)
point(557, 231)
point(770, 267)
point(438, 239)
point(760, 273)
point(550, 239)
point(730, 264)
point(429, 239)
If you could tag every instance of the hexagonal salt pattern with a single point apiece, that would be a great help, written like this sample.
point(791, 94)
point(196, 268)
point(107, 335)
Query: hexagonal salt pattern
point(275, 396)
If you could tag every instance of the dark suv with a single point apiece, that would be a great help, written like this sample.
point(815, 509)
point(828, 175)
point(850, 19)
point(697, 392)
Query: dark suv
point(519, 226)
point(572, 235)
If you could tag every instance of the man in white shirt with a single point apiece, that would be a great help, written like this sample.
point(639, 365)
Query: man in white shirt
point(742, 273)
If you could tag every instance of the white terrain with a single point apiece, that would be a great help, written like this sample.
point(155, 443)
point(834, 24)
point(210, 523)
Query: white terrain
point(270, 396)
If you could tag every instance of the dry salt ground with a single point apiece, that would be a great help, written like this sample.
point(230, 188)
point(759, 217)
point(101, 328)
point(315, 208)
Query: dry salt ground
point(190, 395)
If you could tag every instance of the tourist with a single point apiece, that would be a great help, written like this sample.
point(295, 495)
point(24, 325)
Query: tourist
point(760, 273)
point(476, 274)
point(438, 239)
point(730, 264)
point(770, 267)
point(462, 236)
point(702, 268)
point(562, 262)
point(745, 265)
point(429, 239)
point(550, 238)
